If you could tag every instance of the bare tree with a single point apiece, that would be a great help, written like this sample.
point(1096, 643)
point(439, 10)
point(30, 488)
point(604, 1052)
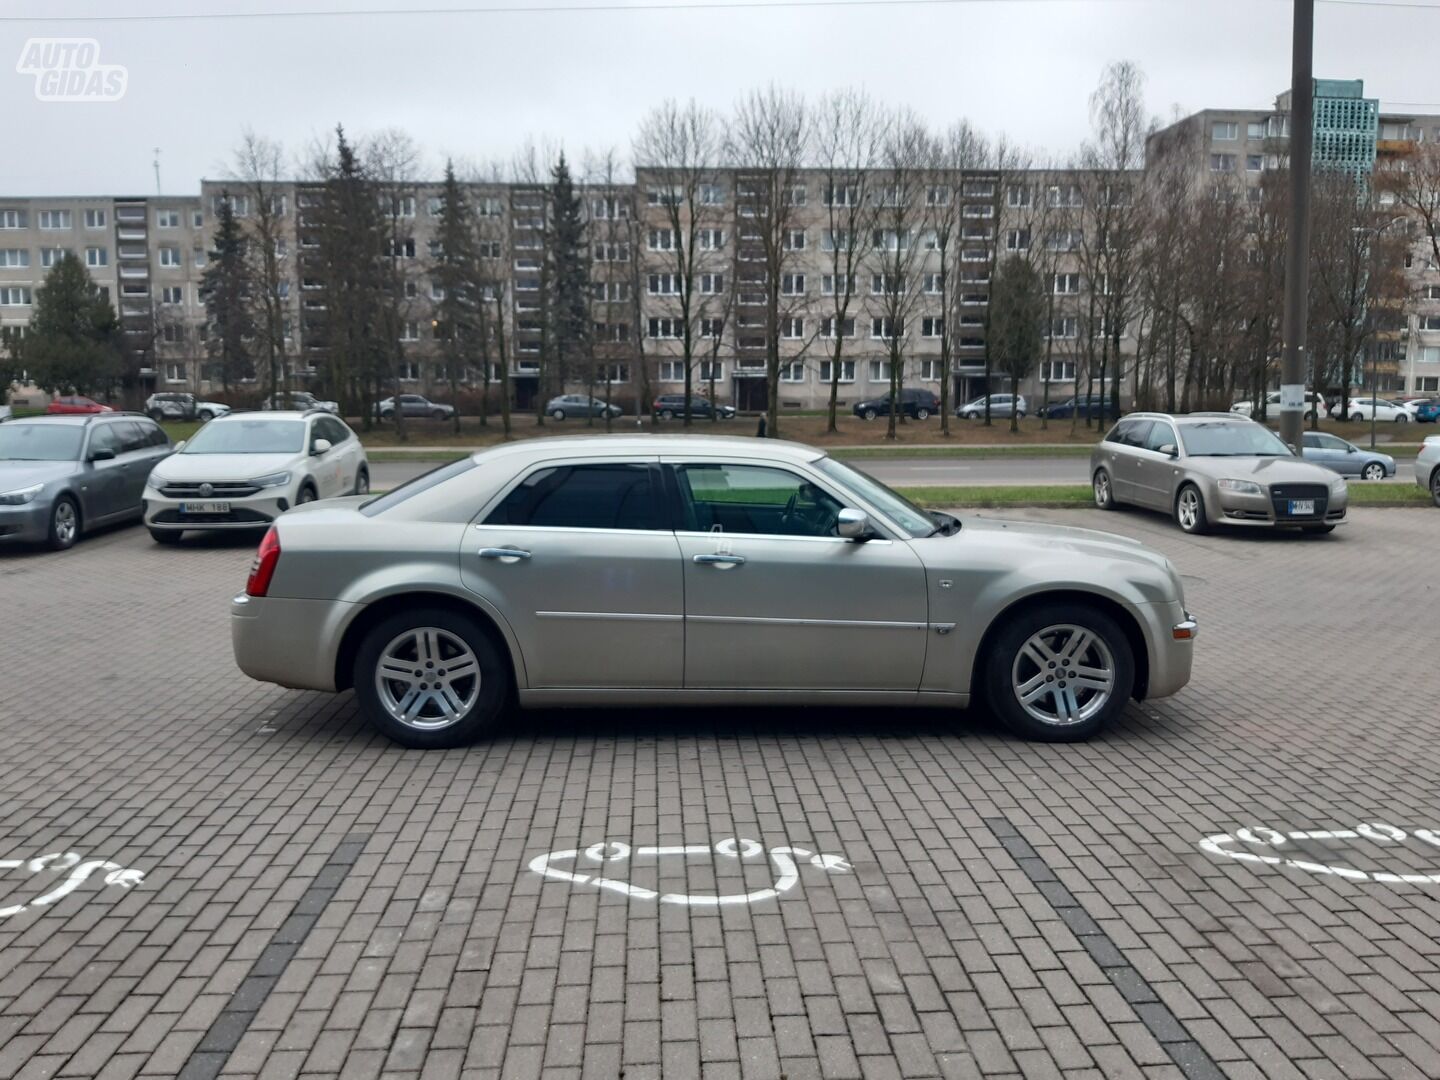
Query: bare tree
point(256, 173)
point(895, 246)
point(611, 212)
point(1027, 217)
point(676, 153)
point(768, 142)
point(393, 162)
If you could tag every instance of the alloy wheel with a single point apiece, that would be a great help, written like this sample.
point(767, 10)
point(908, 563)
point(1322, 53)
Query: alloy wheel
point(1188, 509)
point(427, 678)
point(1102, 489)
point(1063, 674)
point(1374, 471)
point(67, 524)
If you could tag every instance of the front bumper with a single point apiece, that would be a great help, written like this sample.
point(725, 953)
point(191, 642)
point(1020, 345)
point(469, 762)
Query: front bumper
point(288, 642)
point(248, 512)
point(28, 523)
point(1236, 508)
point(1171, 632)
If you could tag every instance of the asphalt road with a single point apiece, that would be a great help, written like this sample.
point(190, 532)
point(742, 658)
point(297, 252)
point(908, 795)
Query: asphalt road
point(205, 876)
point(898, 472)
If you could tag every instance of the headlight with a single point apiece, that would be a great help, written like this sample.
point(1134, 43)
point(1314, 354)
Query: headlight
point(22, 496)
point(1338, 484)
point(1240, 487)
point(279, 479)
point(156, 479)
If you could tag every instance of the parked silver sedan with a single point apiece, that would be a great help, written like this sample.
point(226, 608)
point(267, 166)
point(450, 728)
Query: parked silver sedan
point(655, 570)
point(1206, 469)
point(1427, 467)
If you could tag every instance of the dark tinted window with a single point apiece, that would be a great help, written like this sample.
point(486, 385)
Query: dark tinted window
point(132, 436)
point(105, 437)
point(582, 497)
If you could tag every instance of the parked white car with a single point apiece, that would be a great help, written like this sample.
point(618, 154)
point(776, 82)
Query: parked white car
point(1313, 403)
point(1427, 467)
point(1383, 411)
point(244, 470)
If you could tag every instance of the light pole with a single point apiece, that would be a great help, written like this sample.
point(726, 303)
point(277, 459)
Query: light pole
point(1297, 244)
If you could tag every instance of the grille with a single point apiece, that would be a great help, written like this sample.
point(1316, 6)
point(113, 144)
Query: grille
point(223, 490)
point(1281, 494)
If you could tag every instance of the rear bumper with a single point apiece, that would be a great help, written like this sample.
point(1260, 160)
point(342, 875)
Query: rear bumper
point(288, 642)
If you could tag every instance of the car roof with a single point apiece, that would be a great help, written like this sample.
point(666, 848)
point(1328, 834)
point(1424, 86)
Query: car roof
point(76, 418)
point(271, 414)
point(1186, 418)
point(609, 445)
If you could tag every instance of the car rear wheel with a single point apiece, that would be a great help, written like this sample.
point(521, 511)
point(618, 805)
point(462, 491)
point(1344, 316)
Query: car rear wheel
point(557, 414)
point(430, 678)
point(1435, 487)
point(1104, 490)
point(64, 524)
point(166, 536)
point(1059, 672)
point(1190, 511)
point(1374, 471)
point(156, 415)
point(1356, 417)
point(438, 414)
point(206, 416)
point(667, 414)
point(362, 481)
point(922, 414)
point(1402, 418)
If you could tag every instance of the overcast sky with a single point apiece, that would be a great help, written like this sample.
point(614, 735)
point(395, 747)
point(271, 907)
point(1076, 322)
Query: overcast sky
point(477, 85)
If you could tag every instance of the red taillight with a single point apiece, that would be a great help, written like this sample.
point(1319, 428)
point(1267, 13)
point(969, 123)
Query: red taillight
point(263, 568)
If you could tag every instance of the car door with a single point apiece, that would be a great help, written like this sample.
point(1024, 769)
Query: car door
point(327, 468)
point(1122, 446)
point(349, 453)
point(135, 457)
point(775, 601)
point(103, 490)
point(1155, 469)
point(593, 590)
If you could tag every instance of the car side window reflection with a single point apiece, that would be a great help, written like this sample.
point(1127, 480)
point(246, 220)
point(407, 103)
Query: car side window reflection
point(755, 499)
point(609, 496)
point(1160, 435)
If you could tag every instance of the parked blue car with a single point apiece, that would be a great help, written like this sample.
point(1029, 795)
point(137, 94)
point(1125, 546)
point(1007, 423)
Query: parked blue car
point(1428, 412)
point(1345, 457)
point(1086, 405)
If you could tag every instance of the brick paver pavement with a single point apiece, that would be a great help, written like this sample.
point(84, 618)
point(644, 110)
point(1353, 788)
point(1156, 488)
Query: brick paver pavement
point(318, 902)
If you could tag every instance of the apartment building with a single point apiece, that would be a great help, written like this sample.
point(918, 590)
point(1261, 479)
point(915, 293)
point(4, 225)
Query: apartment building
point(1353, 134)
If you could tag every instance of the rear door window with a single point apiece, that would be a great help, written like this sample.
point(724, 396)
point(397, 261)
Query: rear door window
point(590, 496)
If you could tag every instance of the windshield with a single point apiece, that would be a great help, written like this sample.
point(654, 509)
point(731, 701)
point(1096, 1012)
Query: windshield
point(40, 442)
point(909, 517)
point(1224, 438)
point(248, 437)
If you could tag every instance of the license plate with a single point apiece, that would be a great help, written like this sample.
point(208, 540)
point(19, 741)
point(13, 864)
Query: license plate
point(1302, 507)
point(204, 507)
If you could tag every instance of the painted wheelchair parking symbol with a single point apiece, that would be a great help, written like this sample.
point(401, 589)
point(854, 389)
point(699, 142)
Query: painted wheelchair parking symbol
point(1349, 845)
point(80, 871)
point(608, 853)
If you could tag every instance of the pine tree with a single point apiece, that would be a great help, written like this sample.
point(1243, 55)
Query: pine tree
point(225, 290)
point(569, 291)
point(73, 343)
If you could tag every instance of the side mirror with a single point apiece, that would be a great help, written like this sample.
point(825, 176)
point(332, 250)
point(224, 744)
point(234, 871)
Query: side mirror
point(853, 524)
point(181, 444)
point(319, 446)
point(1348, 449)
point(103, 453)
point(1169, 449)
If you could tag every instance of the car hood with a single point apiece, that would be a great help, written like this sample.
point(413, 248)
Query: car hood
point(1262, 470)
point(225, 466)
point(22, 474)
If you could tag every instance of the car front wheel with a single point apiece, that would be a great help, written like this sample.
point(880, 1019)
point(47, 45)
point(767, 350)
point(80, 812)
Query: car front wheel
point(362, 481)
point(430, 678)
point(1402, 418)
point(64, 524)
point(869, 414)
point(1374, 471)
point(1104, 490)
point(1059, 672)
point(1190, 511)
point(307, 495)
point(1435, 487)
point(922, 414)
point(667, 414)
point(557, 414)
point(206, 416)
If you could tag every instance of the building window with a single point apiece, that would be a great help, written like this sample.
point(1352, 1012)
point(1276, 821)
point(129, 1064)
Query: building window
point(1057, 371)
point(14, 296)
point(1065, 195)
point(711, 239)
point(167, 219)
point(711, 328)
point(1430, 322)
point(1017, 240)
point(882, 328)
point(663, 196)
point(931, 283)
point(890, 239)
point(1019, 195)
point(1222, 163)
point(53, 219)
point(832, 284)
point(664, 285)
point(974, 255)
point(828, 324)
point(931, 370)
point(1064, 240)
point(792, 328)
point(887, 284)
point(12, 219)
point(170, 256)
point(172, 334)
point(672, 371)
point(172, 295)
point(932, 326)
point(1255, 129)
point(1254, 162)
point(978, 210)
point(1427, 384)
point(661, 240)
point(14, 258)
point(95, 219)
point(1225, 131)
point(666, 328)
point(880, 371)
point(1064, 327)
point(616, 253)
point(199, 254)
point(841, 194)
point(937, 195)
point(835, 240)
point(794, 239)
point(711, 284)
point(1066, 284)
point(711, 195)
point(792, 284)
point(410, 331)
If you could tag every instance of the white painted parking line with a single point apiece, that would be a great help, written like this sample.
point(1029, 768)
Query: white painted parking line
point(1221, 845)
point(614, 851)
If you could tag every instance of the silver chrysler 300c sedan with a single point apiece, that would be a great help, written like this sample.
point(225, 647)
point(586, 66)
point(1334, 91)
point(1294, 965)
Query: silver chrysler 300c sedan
point(665, 570)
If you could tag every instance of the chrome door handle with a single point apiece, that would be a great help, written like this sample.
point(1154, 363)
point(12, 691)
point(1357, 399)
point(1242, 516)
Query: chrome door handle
point(720, 560)
point(504, 553)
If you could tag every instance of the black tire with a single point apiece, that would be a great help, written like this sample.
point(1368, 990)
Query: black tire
point(1435, 487)
point(167, 537)
point(1103, 488)
point(1373, 471)
point(557, 414)
point(667, 414)
point(1402, 418)
point(206, 416)
point(388, 414)
point(869, 414)
point(922, 414)
point(438, 414)
point(490, 698)
point(64, 524)
point(1199, 524)
point(1003, 659)
point(308, 494)
point(362, 481)
point(156, 415)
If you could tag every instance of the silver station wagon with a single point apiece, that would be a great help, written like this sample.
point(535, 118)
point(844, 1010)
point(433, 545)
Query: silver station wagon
point(664, 570)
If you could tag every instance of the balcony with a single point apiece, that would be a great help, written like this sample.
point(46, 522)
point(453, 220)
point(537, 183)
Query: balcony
point(130, 273)
point(134, 254)
point(124, 233)
point(130, 215)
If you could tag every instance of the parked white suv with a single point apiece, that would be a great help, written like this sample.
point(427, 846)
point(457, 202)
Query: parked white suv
point(244, 470)
point(1313, 403)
